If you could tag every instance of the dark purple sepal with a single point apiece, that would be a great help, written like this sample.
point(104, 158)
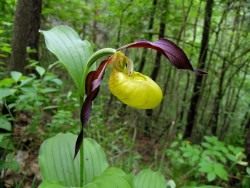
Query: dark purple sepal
point(169, 49)
point(93, 82)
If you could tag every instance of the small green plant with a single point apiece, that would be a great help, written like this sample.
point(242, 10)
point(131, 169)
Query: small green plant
point(246, 178)
point(212, 161)
point(21, 95)
point(26, 92)
point(62, 121)
point(7, 159)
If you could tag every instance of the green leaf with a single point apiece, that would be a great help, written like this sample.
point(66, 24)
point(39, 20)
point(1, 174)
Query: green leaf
point(202, 186)
point(95, 159)
point(211, 176)
point(6, 82)
point(5, 124)
point(212, 140)
point(40, 70)
point(16, 75)
point(149, 179)
point(6, 141)
point(114, 171)
point(246, 182)
point(120, 173)
point(220, 171)
point(248, 170)
point(50, 185)
point(26, 81)
point(57, 81)
point(48, 90)
point(111, 178)
point(5, 92)
point(71, 51)
point(171, 184)
point(206, 145)
point(206, 166)
point(57, 163)
point(10, 163)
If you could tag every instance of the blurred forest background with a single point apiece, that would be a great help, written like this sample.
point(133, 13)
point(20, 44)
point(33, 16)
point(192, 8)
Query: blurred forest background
point(200, 116)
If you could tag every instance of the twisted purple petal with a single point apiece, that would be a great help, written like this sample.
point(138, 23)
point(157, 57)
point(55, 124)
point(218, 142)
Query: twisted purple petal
point(170, 50)
point(93, 82)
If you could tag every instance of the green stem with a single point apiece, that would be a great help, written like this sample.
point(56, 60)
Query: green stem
point(99, 54)
point(81, 165)
point(81, 154)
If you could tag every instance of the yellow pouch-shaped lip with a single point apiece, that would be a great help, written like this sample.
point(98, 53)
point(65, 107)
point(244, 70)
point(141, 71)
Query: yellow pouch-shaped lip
point(135, 90)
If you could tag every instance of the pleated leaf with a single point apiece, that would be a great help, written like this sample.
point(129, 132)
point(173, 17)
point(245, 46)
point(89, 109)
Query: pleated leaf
point(57, 163)
point(71, 51)
point(51, 185)
point(111, 178)
point(149, 179)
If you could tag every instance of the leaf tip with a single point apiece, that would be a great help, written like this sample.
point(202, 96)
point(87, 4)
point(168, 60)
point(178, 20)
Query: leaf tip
point(78, 144)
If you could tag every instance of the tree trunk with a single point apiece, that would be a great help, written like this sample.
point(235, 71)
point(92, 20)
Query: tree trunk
point(245, 119)
point(25, 33)
point(173, 73)
point(185, 96)
point(201, 64)
point(35, 22)
point(156, 68)
point(167, 78)
point(217, 101)
point(161, 34)
point(209, 84)
point(150, 35)
point(118, 40)
point(175, 85)
point(232, 110)
point(224, 68)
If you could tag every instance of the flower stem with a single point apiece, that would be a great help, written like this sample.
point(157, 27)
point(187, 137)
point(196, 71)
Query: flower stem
point(81, 165)
point(81, 154)
point(99, 54)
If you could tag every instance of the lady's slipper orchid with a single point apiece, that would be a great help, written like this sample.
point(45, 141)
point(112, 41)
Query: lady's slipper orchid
point(130, 87)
